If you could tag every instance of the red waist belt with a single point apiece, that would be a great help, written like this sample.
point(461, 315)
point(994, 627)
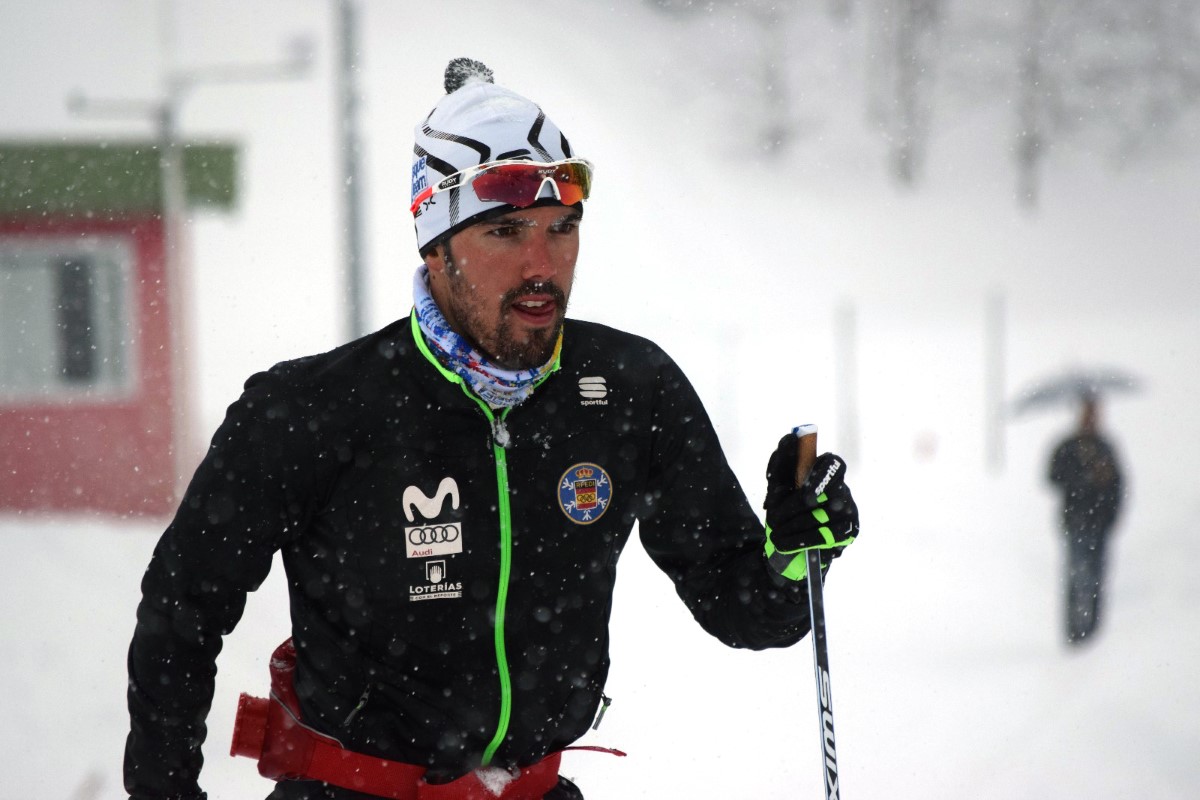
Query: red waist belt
point(286, 749)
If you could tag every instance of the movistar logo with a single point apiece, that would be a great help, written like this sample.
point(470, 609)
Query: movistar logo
point(428, 538)
point(430, 507)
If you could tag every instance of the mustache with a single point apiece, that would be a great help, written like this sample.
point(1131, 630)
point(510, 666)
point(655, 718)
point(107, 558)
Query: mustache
point(531, 287)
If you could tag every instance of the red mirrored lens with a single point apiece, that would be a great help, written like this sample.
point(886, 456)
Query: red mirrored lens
point(520, 184)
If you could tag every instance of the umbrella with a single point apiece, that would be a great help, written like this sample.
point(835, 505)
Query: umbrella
point(1073, 386)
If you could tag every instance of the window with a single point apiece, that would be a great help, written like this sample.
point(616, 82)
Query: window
point(65, 318)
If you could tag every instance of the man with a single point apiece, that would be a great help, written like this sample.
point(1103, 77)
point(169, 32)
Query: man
point(451, 495)
point(1084, 467)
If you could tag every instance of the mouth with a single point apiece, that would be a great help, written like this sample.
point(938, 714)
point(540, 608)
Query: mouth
point(536, 310)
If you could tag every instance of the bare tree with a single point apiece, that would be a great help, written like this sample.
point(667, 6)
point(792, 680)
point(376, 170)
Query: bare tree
point(1129, 71)
point(1106, 75)
point(774, 119)
point(777, 125)
point(905, 43)
point(1110, 76)
point(1031, 87)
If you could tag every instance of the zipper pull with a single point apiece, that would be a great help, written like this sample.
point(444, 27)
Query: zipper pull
point(500, 433)
point(362, 702)
point(605, 702)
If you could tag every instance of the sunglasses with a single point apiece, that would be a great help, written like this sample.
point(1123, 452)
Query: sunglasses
point(518, 183)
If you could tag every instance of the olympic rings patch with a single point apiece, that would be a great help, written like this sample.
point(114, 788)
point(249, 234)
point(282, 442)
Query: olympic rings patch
point(584, 492)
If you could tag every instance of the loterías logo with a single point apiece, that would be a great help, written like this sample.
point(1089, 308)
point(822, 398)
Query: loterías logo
point(436, 586)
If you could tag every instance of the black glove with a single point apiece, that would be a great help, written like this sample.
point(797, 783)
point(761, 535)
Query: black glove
point(820, 514)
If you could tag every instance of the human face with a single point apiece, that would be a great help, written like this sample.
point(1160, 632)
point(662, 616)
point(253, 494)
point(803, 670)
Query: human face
point(504, 283)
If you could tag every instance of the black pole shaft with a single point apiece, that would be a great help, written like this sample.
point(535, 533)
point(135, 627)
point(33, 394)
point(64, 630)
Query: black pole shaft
point(816, 613)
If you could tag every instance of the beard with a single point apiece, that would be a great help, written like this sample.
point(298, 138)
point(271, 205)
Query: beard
point(502, 342)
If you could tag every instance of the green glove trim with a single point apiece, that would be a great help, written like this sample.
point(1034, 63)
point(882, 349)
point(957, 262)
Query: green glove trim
point(793, 565)
point(797, 570)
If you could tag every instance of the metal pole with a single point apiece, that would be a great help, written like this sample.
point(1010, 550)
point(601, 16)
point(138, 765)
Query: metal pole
point(845, 342)
point(176, 266)
point(994, 379)
point(352, 185)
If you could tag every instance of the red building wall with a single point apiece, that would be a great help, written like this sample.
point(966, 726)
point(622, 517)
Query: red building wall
point(108, 454)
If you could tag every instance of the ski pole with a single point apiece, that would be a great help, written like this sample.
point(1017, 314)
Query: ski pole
point(807, 444)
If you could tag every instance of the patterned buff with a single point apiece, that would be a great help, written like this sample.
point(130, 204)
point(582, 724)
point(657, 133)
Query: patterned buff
point(497, 387)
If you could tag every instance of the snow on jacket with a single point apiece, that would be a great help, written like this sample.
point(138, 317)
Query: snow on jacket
point(450, 568)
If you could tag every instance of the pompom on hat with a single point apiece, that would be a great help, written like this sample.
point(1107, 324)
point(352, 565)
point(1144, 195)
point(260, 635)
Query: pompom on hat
point(477, 122)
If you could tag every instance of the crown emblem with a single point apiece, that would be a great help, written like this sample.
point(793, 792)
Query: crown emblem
point(584, 472)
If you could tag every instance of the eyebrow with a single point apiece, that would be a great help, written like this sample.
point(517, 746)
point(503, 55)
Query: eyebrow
point(526, 222)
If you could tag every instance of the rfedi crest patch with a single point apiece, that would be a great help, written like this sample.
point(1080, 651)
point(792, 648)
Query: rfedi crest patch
point(584, 492)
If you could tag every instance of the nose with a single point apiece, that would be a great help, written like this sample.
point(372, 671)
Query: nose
point(540, 262)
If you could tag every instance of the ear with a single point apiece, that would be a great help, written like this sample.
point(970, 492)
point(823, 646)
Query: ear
point(435, 259)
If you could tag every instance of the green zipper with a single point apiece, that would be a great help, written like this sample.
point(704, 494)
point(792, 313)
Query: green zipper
point(505, 512)
point(502, 597)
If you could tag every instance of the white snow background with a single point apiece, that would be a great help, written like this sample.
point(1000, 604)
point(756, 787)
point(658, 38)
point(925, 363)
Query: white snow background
point(949, 675)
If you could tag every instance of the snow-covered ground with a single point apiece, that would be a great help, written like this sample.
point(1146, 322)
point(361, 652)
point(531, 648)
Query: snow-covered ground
point(949, 675)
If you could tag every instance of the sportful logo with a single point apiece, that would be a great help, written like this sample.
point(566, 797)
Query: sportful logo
point(436, 586)
point(593, 391)
point(829, 473)
point(431, 539)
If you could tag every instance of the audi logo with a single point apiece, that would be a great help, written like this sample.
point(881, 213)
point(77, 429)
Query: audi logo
point(432, 534)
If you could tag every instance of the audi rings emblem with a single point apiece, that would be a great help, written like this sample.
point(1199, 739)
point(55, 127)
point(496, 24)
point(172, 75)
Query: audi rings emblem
point(433, 534)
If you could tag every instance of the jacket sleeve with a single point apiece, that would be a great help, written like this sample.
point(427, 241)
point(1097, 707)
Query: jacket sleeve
point(699, 528)
point(1059, 471)
point(1118, 485)
point(250, 493)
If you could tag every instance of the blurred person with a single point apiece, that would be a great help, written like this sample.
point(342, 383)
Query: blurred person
point(451, 495)
point(1085, 469)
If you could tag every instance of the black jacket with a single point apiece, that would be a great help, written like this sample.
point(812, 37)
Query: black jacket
point(1085, 468)
point(450, 575)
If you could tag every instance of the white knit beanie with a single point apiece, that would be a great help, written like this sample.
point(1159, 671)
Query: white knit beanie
point(475, 123)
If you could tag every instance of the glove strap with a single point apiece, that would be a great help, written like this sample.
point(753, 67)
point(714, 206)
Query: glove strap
point(791, 565)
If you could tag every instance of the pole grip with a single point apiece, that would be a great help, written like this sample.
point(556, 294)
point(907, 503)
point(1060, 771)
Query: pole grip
point(806, 436)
